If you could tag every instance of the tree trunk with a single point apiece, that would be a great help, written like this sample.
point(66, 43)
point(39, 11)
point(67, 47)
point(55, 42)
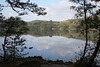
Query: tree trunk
point(4, 50)
point(91, 60)
point(86, 31)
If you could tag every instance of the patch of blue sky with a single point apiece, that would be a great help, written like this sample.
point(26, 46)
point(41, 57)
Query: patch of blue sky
point(45, 3)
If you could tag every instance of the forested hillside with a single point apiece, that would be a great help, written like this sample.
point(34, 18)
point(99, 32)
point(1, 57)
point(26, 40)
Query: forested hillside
point(68, 28)
point(53, 25)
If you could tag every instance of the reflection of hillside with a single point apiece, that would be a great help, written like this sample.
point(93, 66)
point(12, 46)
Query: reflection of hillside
point(51, 28)
point(67, 33)
point(62, 28)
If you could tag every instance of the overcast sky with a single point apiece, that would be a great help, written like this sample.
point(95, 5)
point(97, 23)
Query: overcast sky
point(57, 10)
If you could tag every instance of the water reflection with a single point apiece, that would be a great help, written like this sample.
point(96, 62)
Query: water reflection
point(1, 41)
point(55, 47)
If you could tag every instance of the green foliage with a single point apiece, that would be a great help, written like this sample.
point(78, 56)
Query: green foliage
point(48, 25)
point(22, 8)
point(86, 8)
point(14, 47)
point(13, 26)
point(12, 29)
point(68, 28)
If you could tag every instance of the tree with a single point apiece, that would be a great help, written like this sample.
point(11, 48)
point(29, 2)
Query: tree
point(85, 9)
point(81, 11)
point(95, 0)
point(95, 24)
point(21, 8)
point(14, 48)
point(24, 6)
point(12, 27)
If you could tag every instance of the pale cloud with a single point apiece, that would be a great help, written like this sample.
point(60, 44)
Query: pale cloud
point(57, 12)
point(60, 11)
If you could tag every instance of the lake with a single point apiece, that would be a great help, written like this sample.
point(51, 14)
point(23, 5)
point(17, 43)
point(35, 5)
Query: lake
point(52, 47)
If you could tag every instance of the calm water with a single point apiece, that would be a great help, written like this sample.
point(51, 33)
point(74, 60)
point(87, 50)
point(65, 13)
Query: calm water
point(52, 48)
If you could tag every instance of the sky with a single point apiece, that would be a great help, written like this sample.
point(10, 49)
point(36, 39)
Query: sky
point(57, 10)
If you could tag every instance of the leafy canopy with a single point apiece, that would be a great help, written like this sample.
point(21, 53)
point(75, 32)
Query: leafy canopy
point(22, 8)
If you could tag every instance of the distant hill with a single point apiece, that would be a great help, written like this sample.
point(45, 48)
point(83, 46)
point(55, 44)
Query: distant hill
point(67, 28)
point(54, 25)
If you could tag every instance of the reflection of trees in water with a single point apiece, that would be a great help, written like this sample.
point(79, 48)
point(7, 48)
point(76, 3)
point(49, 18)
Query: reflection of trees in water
point(64, 33)
point(57, 32)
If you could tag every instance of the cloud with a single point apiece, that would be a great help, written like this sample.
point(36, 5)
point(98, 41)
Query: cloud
point(56, 11)
point(60, 11)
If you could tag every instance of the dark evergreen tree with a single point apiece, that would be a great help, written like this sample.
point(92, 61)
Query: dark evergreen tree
point(11, 29)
